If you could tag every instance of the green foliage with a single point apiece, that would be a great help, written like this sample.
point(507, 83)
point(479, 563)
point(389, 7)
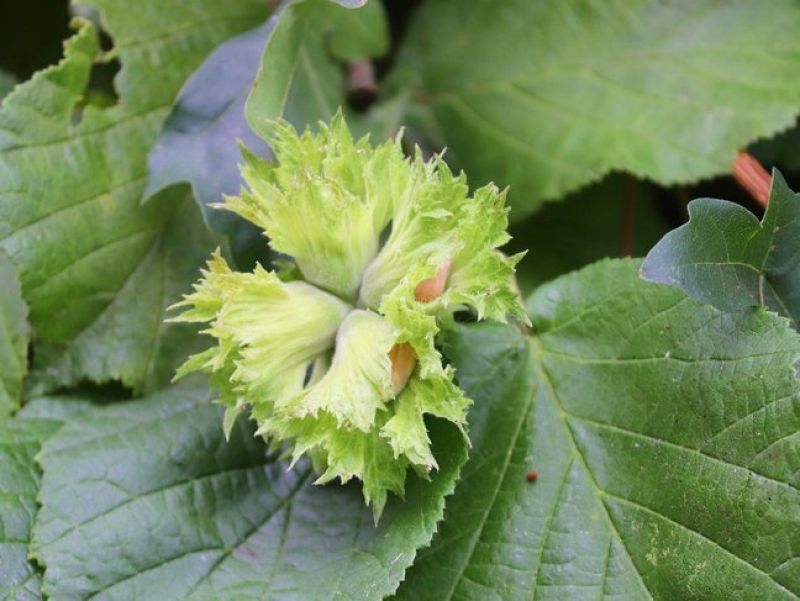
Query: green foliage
point(198, 142)
point(725, 257)
point(20, 479)
point(70, 218)
point(129, 340)
point(619, 439)
point(318, 376)
point(587, 226)
point(20, 440)
point(299, 78)
point(782, 151)
point(667, 469)
point(549, 96)
point(307, 44)
point(7, 83)
point(14, 338)
point(192, 515)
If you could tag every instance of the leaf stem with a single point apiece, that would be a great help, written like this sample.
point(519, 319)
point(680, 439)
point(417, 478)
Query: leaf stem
point(362, 89)
point(752, 176)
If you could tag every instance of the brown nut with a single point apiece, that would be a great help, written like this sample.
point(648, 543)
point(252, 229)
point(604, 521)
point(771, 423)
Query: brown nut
point(402, 355)
point(432, 288)
point(404, 359)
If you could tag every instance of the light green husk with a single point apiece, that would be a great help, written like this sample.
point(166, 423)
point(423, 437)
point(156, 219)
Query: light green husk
point(309, 359)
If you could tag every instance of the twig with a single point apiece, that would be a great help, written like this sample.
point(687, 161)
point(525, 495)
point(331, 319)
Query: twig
point(362, 89)
point(752, 176)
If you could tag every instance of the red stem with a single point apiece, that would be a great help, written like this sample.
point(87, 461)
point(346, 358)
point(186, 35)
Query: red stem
point(752, 176)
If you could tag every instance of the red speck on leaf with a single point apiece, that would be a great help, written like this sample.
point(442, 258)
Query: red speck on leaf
point(531, 476)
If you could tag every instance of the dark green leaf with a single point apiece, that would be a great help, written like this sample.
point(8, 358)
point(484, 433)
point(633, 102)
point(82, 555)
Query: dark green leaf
point(548, 96)
point(199, 141)
point(146, 500)
point(14, 338)
point(666, 438)
point(19, 483)
point(356, 34)
point(7, 83)
point(725, 257)
point(130, 340)
point(300, 77)
point(20, 440)
point(589, 225)
point(70, 218)
point(782, 151)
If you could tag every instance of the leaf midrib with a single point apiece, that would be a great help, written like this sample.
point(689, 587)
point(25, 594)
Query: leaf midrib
point(538, 352)
point(11, 593)
point(473, 544)
point(107, 190)
point(149, 493)
point(285, 502)
point(661, 441)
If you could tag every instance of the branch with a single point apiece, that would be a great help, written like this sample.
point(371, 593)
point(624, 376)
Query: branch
point(752, 176)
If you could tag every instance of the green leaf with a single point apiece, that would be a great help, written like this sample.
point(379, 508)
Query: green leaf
point(667, 466)
point(20, 440)
point(549, 96)
point(130, 339)
point(725, 257)
point(14, 338)
point(19, 478)
point(357, 34)
point(586, 226)
point(198, 143)
point(299, 78)
point(493, 363)
point(69, 207)
point(782, 151)
point(7, 83)
point(145, 499)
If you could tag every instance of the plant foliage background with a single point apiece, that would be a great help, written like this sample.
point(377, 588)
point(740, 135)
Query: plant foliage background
point(657, 403)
